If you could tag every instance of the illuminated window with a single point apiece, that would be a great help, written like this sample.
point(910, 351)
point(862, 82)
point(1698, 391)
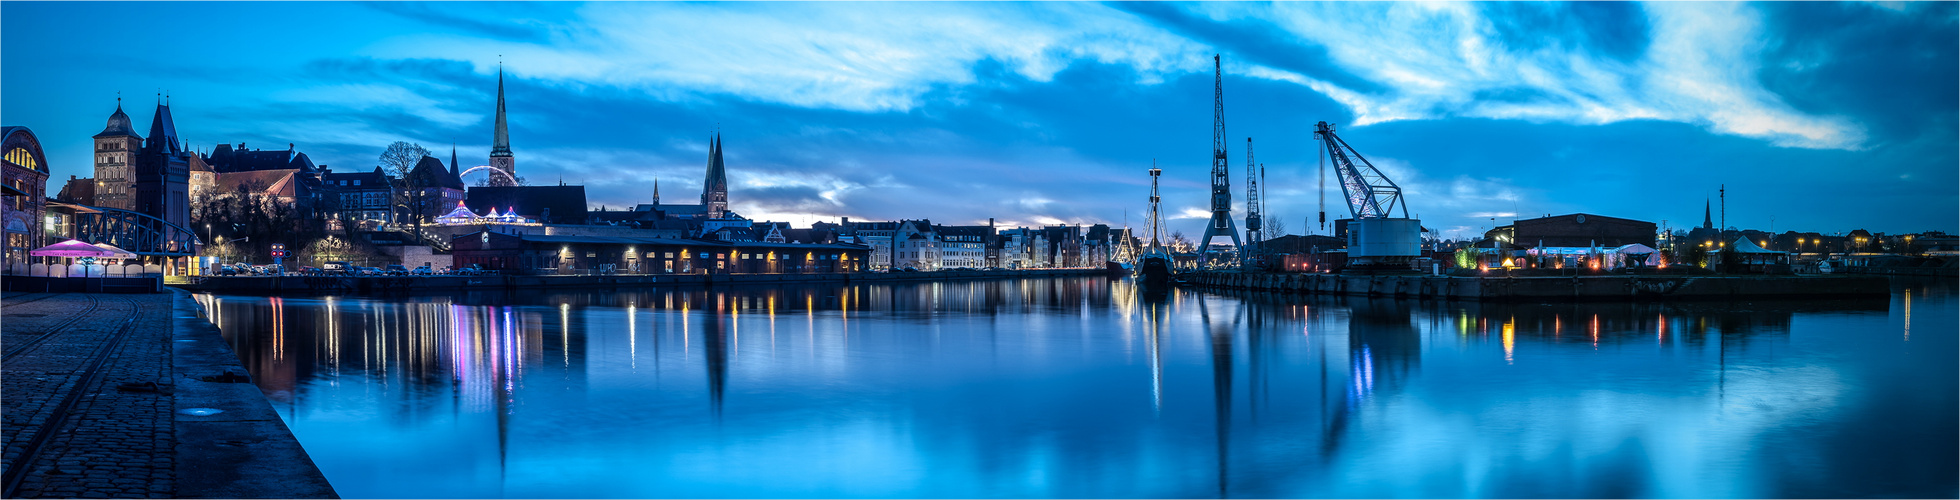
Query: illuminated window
point(20, 156)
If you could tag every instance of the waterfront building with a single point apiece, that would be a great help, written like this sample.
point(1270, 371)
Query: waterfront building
point(916, 244)
point(1575, 230)
point(358, 199)
point(964, 246)
point(545, 204)
point(500, 156)
point(568, 254)
point(878, 236)
point(24, 179)
point(115, 162)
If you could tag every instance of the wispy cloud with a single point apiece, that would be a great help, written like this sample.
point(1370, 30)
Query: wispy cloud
point(857, 57)
point(1448, 60)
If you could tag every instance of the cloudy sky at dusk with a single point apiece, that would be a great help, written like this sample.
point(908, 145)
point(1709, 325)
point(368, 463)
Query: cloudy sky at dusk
point(1823, 116)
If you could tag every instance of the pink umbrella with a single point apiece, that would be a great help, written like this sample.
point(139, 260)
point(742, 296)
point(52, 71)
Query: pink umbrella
point(72, 248)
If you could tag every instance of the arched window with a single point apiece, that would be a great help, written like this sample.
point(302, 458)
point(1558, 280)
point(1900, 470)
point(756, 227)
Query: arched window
point(20, 156)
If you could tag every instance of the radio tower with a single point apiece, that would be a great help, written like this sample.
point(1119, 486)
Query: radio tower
point(1253, 234)
point(1221, 182)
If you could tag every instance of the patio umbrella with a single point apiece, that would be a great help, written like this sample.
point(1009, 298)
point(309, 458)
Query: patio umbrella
point(75, 248)
point(115, 253)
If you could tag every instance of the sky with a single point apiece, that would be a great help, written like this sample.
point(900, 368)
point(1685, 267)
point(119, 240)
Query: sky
point(1815, 116)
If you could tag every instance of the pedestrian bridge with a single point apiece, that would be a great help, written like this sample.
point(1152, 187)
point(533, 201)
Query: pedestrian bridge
point(136, 232)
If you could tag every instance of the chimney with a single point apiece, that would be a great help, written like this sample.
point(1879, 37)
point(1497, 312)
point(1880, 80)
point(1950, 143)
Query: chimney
point(990, 223)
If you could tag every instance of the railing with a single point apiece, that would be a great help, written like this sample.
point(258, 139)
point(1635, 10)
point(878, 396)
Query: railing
point(133, 231)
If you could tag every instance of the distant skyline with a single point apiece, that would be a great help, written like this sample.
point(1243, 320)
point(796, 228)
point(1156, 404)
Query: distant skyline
point(1817, 116)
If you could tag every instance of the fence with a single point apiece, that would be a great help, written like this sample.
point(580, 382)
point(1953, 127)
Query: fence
point(80, 270)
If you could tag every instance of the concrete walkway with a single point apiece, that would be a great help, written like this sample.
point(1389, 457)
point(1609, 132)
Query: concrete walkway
point(97, 388)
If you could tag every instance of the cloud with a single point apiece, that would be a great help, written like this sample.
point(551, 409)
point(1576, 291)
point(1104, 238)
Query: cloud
point(1455, 60)
point(829, 56)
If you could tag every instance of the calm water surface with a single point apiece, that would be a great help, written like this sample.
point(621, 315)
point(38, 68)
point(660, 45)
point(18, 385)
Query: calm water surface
point(1082, 388)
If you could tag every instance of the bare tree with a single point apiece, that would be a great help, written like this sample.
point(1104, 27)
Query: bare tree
point(1179, 243)
point(402, 156)
point(1275, 226)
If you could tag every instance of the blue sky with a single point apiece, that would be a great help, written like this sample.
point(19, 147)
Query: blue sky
point(1818, 116)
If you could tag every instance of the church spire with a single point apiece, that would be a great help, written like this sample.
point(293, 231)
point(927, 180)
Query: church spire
point(452, 161)
point(656, 190)
point(500, 141)
point(714, 191)
point(500, 157)
point(1706, 220)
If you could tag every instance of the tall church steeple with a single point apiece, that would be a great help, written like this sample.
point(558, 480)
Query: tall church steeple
point(500, 157)
point(1706, 216)
point(714, 191)
point(656, 190)
point(452, 161)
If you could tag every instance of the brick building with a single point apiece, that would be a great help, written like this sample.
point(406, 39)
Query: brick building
point(1576, 230)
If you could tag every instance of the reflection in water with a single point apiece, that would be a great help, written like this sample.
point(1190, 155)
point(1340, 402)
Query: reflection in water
point(1032, 388)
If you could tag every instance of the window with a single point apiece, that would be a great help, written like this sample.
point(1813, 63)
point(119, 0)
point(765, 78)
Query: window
point(670, 255)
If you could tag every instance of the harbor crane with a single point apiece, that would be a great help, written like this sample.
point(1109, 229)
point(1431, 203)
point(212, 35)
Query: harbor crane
point(1221, 225)
point(1255, 235)
point(1377, 237)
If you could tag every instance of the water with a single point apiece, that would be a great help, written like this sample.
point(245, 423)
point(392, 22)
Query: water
point(1079, 388)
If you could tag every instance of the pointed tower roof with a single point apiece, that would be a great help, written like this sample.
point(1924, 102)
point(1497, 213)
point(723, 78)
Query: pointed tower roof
point(119, 124)
point(717, 173)
point(452, 161)
point(656, 190)
point(500, 140)
point(163, 132)
point(1706, 220)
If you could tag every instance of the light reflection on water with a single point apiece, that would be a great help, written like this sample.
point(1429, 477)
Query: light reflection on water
point(1082, 388)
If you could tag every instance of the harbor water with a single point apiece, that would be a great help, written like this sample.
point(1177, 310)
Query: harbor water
point(1082, 387)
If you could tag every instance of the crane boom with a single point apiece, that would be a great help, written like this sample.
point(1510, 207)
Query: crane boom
point(1370, 195)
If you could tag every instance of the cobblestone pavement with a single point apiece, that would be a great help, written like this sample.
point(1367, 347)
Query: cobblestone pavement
point(115, 442)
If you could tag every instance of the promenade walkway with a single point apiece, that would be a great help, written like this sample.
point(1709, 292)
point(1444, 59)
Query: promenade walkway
point(110, 396)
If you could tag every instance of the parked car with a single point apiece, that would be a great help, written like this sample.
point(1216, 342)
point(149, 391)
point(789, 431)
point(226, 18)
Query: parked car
point(338, 266)
point(423, 270)
point(395, 270)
